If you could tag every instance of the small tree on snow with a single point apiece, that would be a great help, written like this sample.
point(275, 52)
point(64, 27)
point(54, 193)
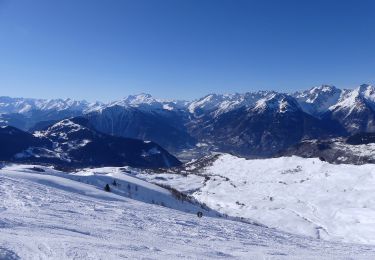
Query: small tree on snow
point(107, 188)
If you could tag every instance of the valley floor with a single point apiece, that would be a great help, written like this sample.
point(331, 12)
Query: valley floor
point(46, 216)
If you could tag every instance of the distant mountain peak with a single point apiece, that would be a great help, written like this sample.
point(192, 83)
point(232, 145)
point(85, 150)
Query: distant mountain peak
point(318, 100)
point(324, 88)
point(139, 98)
point(76, 142)
point(276, 102)
point(147, 102)
point(218, 104)
point(367, 91)
point(357, 99)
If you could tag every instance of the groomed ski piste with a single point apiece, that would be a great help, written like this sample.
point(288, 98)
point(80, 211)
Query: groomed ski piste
point(47, 214)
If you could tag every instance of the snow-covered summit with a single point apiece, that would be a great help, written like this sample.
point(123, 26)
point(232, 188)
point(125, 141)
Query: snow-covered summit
point(318, 99)
point(217, 104)
point(356, 99)
point(62, 130)
point(275, 102)
point(147, 102)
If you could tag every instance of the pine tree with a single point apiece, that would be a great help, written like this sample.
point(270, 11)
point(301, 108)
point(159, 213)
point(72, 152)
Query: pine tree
point(107, 188)
point(114, 183)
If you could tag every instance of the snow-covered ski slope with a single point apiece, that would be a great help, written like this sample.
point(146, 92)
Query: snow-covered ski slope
point(52, 215)
point(293, 194)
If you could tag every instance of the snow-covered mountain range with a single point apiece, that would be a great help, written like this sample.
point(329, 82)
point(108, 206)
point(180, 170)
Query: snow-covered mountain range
point(27, 106)
point(315, 101)
point(10, 105)
point(249, 124)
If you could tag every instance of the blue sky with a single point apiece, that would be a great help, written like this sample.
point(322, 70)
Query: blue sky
point(107, 49)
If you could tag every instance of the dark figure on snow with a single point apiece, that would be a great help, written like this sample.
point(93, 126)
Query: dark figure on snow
point(199, 214)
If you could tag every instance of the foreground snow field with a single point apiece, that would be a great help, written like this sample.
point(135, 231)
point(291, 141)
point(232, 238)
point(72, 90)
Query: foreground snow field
point(51, 215)
point(293, 194)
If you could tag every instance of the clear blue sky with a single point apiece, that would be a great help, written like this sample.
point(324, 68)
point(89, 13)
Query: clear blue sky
point(104, 50)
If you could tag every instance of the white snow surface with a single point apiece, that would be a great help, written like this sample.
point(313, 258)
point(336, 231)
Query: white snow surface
point(297, 195)
point(55, 215)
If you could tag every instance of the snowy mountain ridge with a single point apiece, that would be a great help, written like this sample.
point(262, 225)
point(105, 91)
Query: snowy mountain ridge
point(147, 102)
point(250, 124)
point(316, 100)
point(349, 99)
point(25, 105)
